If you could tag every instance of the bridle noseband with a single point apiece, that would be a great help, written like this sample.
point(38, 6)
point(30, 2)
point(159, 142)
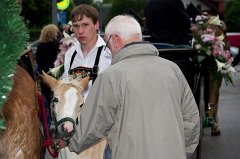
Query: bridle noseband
point(59, 131)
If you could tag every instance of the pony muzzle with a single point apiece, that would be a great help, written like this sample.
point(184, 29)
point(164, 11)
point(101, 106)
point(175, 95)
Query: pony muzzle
point(65, 128)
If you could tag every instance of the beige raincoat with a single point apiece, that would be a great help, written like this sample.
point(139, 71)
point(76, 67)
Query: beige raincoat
point(143, 105)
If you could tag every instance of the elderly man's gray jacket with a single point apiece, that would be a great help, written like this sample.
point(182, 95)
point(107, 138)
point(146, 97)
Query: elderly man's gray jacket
point(143, 105)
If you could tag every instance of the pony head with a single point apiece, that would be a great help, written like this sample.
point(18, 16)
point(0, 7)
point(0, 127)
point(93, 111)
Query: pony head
point(66, 102)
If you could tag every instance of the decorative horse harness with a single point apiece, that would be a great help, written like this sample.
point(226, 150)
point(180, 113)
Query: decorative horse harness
point(92, 72)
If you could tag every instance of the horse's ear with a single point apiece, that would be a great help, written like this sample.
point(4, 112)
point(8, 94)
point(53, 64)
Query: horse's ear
point(49, 80)
point(84, 82)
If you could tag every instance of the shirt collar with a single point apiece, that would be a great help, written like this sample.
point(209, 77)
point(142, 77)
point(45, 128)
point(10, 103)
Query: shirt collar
point(100, 42)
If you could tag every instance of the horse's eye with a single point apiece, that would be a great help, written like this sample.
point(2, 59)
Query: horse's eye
point(54, 100)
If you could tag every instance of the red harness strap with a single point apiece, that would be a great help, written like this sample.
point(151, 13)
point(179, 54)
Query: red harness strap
point(47, 142)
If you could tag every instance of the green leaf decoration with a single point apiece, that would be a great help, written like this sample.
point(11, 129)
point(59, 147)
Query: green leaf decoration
point(13, 40)
point(201, 58)
point(57, 72)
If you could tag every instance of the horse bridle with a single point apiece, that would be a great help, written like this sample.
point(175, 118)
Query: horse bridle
point(57, 129)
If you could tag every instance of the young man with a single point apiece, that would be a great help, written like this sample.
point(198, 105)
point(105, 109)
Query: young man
point(88, 51)
point(142, 103)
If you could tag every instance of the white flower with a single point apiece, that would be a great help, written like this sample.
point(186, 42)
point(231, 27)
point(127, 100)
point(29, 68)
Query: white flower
point(220, 65)
point(209, 52)
point(215, 21)
point(224, 68)
point(57, 71)
point(198, 46)
point(198, 18)
point(66, 35)
point(220, 39)
point(231, 69)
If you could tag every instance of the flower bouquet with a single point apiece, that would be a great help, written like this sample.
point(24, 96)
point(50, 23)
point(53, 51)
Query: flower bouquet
point(66, 43)
point(210, 43)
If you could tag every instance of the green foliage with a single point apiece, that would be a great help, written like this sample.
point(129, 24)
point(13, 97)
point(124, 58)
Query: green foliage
point(232, 16)
point(69, 9)
point(107, 1)
point(57, 72)
point(78, 2)
point(13, 39)
point(2, 124)
point(37, 12)
point(123, 7)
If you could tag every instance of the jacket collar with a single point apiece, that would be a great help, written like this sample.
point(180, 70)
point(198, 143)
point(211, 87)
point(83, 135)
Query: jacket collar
point(135, 49)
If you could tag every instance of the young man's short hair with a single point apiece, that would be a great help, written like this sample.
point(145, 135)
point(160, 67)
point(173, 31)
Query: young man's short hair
point(87, 10)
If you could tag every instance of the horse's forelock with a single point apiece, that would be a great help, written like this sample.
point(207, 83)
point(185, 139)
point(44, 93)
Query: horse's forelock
point(73, 83)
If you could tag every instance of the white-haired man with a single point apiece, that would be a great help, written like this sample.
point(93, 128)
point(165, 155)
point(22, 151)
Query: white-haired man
point(142, 103)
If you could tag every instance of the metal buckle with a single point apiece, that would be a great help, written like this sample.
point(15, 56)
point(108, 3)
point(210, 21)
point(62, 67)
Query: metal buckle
point(95, 69)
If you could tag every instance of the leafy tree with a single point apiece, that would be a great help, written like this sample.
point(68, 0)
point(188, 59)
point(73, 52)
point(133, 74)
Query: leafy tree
point(69, 9)
point(36, 13)
point(78, 2)
point(124, 6)
point(107, 1)
point(232, 16)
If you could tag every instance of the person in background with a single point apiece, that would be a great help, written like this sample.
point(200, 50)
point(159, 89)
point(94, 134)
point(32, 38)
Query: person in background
point(67, 28)
point(142, 104)
point(167, 22)
point(47, 51)
point(47, 48)
point(88, 52)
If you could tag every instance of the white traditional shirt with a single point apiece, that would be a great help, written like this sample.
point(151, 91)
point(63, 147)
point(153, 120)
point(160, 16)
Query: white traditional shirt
point(79, 60)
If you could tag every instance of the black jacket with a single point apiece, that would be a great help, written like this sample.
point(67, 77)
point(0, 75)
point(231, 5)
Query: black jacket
point(167, 22)
point(46, 55)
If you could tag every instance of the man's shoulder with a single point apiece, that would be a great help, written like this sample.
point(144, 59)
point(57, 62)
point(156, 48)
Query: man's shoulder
point(107, 54)
point(113, 70)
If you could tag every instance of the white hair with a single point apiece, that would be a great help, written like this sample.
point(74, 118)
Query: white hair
point(124, 26)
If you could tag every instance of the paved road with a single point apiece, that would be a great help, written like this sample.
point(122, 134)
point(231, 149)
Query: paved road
point(225, 146)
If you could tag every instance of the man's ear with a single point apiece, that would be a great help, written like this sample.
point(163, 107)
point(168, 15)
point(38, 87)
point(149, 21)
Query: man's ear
point(97, 25)
point(118, 42)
